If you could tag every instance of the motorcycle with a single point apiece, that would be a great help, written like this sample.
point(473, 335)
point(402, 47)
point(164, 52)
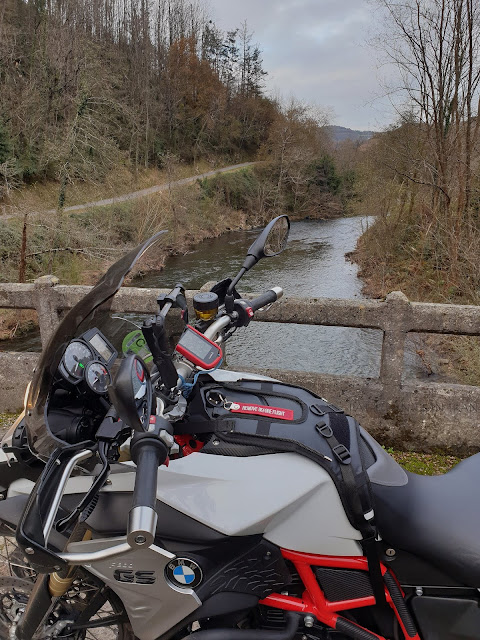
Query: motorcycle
point(157, 496)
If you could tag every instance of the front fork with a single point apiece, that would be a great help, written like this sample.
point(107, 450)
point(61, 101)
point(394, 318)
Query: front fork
point(40, 605)
point(46, 593)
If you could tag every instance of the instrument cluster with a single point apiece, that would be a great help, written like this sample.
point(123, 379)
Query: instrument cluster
point(87, 361)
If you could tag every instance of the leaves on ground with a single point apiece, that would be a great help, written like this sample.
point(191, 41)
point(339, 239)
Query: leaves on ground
point(427, 464)
point(6, 421)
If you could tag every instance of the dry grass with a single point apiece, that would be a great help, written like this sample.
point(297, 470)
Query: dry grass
point(384, 267)
point(89, 240)
point(6, 421)
point(121, 180)
point(15, 322)
point(460, 358)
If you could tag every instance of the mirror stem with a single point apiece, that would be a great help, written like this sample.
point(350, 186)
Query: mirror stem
point(249, 262)
point(235, 280)
point(229, 297)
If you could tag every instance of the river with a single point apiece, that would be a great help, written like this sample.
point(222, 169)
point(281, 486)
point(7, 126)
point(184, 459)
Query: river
point(313, 265)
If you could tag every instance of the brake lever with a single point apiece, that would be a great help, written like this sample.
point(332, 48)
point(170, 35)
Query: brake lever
point(182, 304)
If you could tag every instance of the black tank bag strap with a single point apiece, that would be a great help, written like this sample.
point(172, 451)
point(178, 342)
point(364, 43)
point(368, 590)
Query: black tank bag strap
point(338, 434)
point(201, 427)
point(339, 424)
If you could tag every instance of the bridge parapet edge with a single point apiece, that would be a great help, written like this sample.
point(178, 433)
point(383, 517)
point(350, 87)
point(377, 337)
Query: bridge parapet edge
point(402, 413)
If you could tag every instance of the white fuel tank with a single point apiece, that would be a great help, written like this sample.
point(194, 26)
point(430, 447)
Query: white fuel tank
point(287, 497)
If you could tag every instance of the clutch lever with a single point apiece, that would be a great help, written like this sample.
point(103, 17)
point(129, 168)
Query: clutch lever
point(110, 434)
point(174, 300)
point(91, 495)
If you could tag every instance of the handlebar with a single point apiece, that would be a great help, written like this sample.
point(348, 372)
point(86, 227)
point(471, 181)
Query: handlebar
point(268, 297)
point(149, 450)
point(214, 330)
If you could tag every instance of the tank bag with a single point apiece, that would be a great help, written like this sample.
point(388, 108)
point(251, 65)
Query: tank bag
point(260, 417)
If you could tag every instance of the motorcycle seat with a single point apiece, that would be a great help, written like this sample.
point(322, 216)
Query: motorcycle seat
point(435, 517)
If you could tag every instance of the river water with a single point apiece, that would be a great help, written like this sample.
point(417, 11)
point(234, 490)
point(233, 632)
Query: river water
point(313, 265)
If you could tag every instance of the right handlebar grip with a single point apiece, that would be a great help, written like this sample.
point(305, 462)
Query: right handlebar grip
point(266, 298)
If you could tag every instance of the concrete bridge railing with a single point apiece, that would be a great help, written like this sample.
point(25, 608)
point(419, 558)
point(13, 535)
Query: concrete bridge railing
point(400, 412)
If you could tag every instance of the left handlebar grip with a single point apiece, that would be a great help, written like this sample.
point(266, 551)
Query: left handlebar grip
point(148, 452)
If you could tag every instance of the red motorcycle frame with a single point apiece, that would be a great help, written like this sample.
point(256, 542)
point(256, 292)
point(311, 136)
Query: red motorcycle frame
point(313, 600)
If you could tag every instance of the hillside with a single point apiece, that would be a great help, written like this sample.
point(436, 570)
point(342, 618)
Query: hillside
point(91, 86)
point(102, 99)
point(339, 134)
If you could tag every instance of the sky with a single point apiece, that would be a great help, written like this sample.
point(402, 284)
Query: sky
point(316, 51)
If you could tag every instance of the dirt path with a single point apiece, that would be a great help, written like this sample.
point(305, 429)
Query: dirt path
point(142, 193)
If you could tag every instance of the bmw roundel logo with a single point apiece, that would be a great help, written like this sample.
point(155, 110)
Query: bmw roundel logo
point(183, 572)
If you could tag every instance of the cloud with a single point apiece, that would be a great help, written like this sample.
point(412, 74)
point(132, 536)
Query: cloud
point(315, 50)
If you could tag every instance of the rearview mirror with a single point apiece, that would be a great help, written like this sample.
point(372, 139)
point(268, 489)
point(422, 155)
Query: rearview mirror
point(270, 242)
point(131, 393)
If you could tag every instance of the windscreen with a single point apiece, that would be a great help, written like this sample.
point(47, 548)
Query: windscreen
point(92, 310)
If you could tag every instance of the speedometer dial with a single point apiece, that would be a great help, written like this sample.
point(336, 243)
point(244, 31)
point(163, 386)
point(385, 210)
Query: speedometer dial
point(76, 357)
point(97, 377)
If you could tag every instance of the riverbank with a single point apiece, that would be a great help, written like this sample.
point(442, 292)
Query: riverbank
point(454, 359)
point(94, 238)
point(33, 242)
point(78, 247)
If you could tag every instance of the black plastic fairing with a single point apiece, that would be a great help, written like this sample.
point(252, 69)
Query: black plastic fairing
point(411, 570)
point(220, 607)
point(76, 321)
point(447, 618)
point(245, 564)
point(110, 519)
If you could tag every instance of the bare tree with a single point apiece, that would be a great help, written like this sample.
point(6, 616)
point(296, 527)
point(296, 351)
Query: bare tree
point(435, 45)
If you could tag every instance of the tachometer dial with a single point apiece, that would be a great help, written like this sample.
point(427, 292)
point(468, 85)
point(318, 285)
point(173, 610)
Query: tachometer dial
point(97, 377)
point(76, 357)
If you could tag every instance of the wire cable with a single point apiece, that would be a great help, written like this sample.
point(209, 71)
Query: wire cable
point(187, 387)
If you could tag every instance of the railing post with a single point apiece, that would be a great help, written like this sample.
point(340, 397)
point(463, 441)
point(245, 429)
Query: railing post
point(45, 306)
point(397, 324)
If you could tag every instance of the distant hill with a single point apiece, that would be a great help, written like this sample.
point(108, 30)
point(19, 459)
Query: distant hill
point(339, 134)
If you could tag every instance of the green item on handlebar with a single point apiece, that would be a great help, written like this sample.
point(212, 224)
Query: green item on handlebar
point(134, 342)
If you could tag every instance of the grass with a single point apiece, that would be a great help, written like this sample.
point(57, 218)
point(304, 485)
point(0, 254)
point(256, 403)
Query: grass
point(6, 421)
point(15, 322)
point(121, 180)
point(425, 464)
